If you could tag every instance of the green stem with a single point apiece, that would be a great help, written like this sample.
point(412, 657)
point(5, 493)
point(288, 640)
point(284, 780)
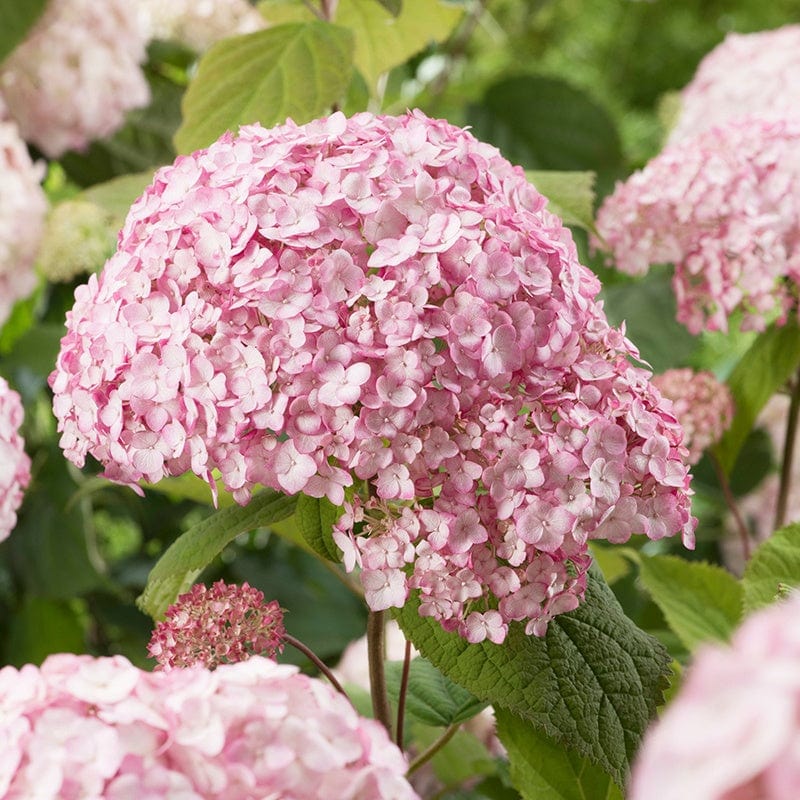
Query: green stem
point(376, 653)
point(316, 661)
point(788, 454)
point(428, 754)
point(401, 699)
point(730, 500)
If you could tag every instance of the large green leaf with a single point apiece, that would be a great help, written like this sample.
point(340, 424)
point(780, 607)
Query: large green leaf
point(117, 195)
point(593, 682)
point(432, 698)
point(544, 770)
point(315, 517)
point(545, 123)
point(43, 626)
point(764, 368)
point(195, 549)
point(700, 601)
point(384, 39)
point(774, 566)
point(570, 195)
point(17, 17)
point(297, 70)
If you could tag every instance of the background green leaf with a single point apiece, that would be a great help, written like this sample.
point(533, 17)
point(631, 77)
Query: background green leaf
point(593, 682)
point(194, 550)
point(43, 626)
point(297, 70)
point(543, 770)
point(17, 17)
point(570, 195)
point(774, 565)
point(700, 601)
point(315, 517)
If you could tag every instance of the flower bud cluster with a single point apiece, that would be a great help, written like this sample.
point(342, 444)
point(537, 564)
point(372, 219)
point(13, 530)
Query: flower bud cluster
point(76, 74)
point(15, 466)
point(723, 207)
point(751, 73)
point(732, 732)
point(381, 311)
point(101, 728)
point(224, 624)
point(703, 406)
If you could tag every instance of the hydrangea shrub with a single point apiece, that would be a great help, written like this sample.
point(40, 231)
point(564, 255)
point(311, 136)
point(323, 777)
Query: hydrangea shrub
point(80, 726)
point(15, 466)
point(380, 311)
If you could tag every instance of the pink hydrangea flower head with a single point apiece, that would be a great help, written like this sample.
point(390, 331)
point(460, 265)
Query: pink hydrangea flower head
point(23, 207)
point(703, 406)
point(723, 207)
point(76, 74)
point(15, 466)
point(85, 727)
point(199, 24)
point(387, 301)
point(223, 624)
point(732, 732)
point(751, 73)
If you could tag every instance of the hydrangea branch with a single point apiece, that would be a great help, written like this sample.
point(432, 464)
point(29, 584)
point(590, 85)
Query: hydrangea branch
point(788, 452)
point(376, 655)
point(733, 506)
point(427, 754)
point(401, 699)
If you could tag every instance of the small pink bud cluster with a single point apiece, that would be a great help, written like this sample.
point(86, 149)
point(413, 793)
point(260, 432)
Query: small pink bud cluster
point(752, 73)
point(76, 74)
point(101, 728)
point(388, 301)
point(23, 207)
point(200, 23)
point(724, 208)
point(225, 624)
point(703, 406)
point(733, 731)
point(15, 466)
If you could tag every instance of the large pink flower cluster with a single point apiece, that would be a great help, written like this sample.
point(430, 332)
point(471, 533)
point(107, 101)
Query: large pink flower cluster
point(22, 212)
point(733, 731)
point(101, 728)
point(15, 466)
point(724, 208)
point(76, 74)
point(386, 301)
point(753, 73)
point(703, 406)
point(200, 23)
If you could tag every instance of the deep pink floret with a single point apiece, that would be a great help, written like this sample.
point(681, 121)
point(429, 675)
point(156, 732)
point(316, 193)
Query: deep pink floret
point(380, 304)
point(101, 728)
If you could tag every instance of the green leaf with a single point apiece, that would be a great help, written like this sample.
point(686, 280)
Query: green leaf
point(16, 19)
point(592, 682)
point(297, 70)
point(432, 698)
point(190, 487)
point(774, 565)
point(316, 518)
point(570, 195)
point(700, 601)
point(544, 770)
point(764, 368)
point(462, 759)
point(545, 123)
point(612, 561)
point(386, 39)
point(195, 549)
point(43, 626)
point(394, 7)
point(117, 195)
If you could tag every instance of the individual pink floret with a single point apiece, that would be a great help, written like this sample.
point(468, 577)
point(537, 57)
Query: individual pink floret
point(751, 73)
point(703, 406)
point(101, 728)
point(76, 74)
point(15, 466)
point(732, 732)
point(23, 207)
point(723, 207)
point(388, 301)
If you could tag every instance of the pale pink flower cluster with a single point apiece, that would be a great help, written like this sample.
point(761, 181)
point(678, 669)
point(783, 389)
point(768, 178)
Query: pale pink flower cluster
point(200, 23)
point(724, 208)
point(101, 728)
point(703, 406)
point(223, 624)
point(384, 301)
point(15, 466)
point(753, 73)
point(76, 74)
point(733, 731)
point(23, 207)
